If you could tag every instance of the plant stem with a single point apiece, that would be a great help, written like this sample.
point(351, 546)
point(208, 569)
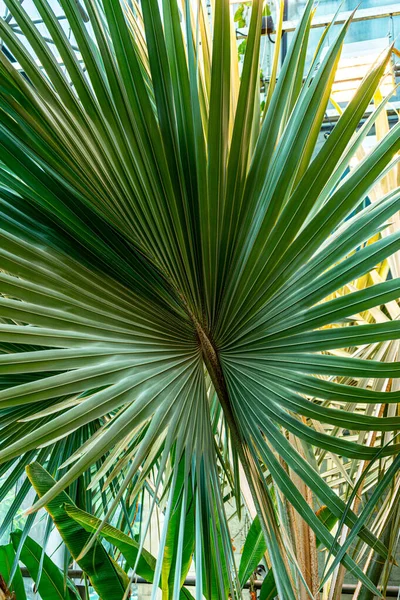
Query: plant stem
point(262, 500)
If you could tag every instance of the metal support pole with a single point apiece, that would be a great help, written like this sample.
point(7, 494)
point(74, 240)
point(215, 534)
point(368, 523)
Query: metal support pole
point(284, 43)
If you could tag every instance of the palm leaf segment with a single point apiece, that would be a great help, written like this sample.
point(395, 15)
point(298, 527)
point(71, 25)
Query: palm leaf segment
point(160, 239)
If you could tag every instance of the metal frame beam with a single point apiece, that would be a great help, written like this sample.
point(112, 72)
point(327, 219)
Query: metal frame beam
point(391, 591)
point(363, 14)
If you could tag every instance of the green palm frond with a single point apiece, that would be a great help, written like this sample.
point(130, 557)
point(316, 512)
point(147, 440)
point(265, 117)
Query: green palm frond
point(166, 251)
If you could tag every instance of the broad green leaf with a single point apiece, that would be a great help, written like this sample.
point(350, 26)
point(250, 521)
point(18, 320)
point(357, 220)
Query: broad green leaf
point(104, 574)
point(128, 546)
point(253, 550)
point(268, 588)
point(52, 585)
point(7, 558)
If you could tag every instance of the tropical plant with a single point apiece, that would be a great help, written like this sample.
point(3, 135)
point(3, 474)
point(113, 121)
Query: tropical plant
point(242, 14)
point(48, 578)
point(104, 573)
point(165, 253)
point(10, 590)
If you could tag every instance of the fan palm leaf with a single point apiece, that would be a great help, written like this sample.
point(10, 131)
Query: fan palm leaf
point(165, 251)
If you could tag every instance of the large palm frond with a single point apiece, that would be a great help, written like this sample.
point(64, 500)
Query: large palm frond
point(165, 251)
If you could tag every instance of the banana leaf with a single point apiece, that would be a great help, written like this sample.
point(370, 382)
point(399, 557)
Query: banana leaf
point(52, 585)
point(106, 577)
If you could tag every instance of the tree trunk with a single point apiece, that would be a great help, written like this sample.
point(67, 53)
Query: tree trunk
point(304, 537)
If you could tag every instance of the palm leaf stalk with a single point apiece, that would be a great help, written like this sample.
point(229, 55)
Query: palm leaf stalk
point(165, 253)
